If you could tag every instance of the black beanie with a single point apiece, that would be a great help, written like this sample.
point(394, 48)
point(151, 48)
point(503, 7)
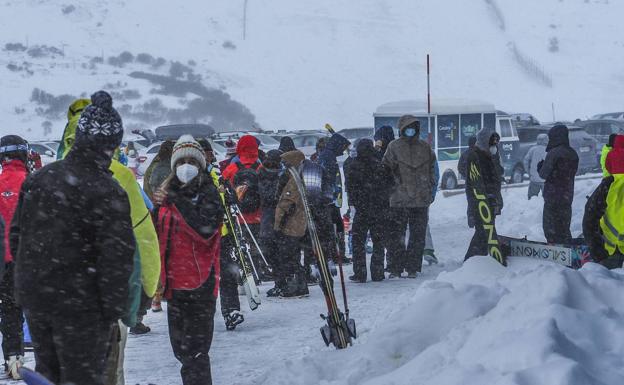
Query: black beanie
point(14, 147)
point(273, 159)
point(100, 125)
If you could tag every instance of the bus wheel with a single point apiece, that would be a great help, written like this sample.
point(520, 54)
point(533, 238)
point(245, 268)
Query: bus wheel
point(449, 181)
point(517, 176)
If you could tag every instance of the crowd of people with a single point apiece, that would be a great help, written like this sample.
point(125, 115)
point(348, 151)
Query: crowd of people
point(88, 250)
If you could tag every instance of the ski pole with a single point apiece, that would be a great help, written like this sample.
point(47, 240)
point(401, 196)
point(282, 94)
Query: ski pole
point(342, 281)
point(240, 216)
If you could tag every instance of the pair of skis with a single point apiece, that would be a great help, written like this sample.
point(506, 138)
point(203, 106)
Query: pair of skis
point(241, 253)
point(340, 329)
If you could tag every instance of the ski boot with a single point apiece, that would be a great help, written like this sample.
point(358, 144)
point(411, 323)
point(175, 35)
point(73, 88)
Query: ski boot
point(233, 319)
point(140, 328)
point(312, 275)
point(13, 366)
point(412, 274)
point(429, 256)
point(357, 278)
point(274, 292)
point(156, 306)
point(295, 287)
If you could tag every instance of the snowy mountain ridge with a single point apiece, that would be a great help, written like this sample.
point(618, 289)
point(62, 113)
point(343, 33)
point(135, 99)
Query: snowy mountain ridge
point(297, 65)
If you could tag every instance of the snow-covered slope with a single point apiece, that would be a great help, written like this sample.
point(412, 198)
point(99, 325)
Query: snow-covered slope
point(532, 323)
point(304, 63)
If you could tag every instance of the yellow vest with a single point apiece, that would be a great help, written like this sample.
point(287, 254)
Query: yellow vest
point(612, 223)
point(144, 231)
point(603, 159)
point(215, 179)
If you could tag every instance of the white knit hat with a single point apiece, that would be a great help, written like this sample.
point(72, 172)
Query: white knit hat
point(187, 147)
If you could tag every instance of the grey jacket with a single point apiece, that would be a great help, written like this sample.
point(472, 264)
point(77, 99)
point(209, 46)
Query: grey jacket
point(536, 154)
point(412, 164)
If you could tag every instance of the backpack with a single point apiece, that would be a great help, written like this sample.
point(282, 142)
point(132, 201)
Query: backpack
point(248, 176)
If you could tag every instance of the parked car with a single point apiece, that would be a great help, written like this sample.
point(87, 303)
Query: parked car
point(147, 155)
point(306, 143)
point(601, 129)
point(523, 119)
point(47, 154)
point(357, 133)
point(174, 131)
point(584, 144)
point(267, 142)
point(609, 115)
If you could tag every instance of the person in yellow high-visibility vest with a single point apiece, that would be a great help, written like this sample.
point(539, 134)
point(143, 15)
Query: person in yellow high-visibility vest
point(603, 223)
point(606, 149)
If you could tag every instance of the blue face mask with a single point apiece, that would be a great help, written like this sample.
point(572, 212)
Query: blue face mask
point(410, 132)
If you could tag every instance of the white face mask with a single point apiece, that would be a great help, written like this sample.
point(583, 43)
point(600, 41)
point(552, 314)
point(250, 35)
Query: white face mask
point(186, 172)
point(493, 150)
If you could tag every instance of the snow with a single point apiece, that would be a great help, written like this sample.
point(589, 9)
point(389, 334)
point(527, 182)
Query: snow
point(533, 322)
point(302, 64)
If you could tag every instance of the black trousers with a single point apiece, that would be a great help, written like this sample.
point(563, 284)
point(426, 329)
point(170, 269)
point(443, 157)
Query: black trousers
point(289, 256)
point(407, 257)
point(190, 314)
point(534, 189)
point(479, 242)
point(11, 317)
point(146, 303)
point(556, 222)
point(363, 222)
point(71, 348)
point(228, 284)
point(271, 248)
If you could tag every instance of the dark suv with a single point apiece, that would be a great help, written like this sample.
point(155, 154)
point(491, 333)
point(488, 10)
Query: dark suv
point(601, 129)
point(584, 144)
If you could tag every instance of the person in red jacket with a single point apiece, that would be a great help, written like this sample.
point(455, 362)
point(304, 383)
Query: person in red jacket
point(14, 155)
point(189, 222)
point(242, 174)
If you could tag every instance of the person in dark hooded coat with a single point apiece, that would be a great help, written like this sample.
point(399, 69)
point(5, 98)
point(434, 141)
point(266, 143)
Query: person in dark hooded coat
point(558, 171)
point(363, 180)
point(411, 163)
point(336, 146)
point(74, 248)
point(268, 184)
point(286, 145)
point(462, 166)
point(383, 136)
point(482, 157)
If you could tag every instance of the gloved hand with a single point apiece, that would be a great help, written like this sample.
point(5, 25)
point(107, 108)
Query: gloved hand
point(539, 165)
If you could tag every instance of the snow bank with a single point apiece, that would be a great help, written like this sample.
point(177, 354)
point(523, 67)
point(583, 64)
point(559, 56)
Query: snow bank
point(532, 323)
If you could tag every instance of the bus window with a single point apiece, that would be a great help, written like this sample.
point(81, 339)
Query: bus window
point(424, 128)
point(448, 131)
point(489, 122)
point(470, 125)
point(506, 129)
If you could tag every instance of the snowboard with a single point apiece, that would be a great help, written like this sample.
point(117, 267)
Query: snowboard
point(340, 329)
point(485, 211)
point(573, 255)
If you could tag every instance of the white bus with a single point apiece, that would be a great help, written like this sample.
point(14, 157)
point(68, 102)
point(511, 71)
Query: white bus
point(453, 122)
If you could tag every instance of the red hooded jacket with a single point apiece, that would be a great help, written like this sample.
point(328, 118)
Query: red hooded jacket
point(187, 259)
point(14, 172)
point(247, 151)
point(615, 160)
